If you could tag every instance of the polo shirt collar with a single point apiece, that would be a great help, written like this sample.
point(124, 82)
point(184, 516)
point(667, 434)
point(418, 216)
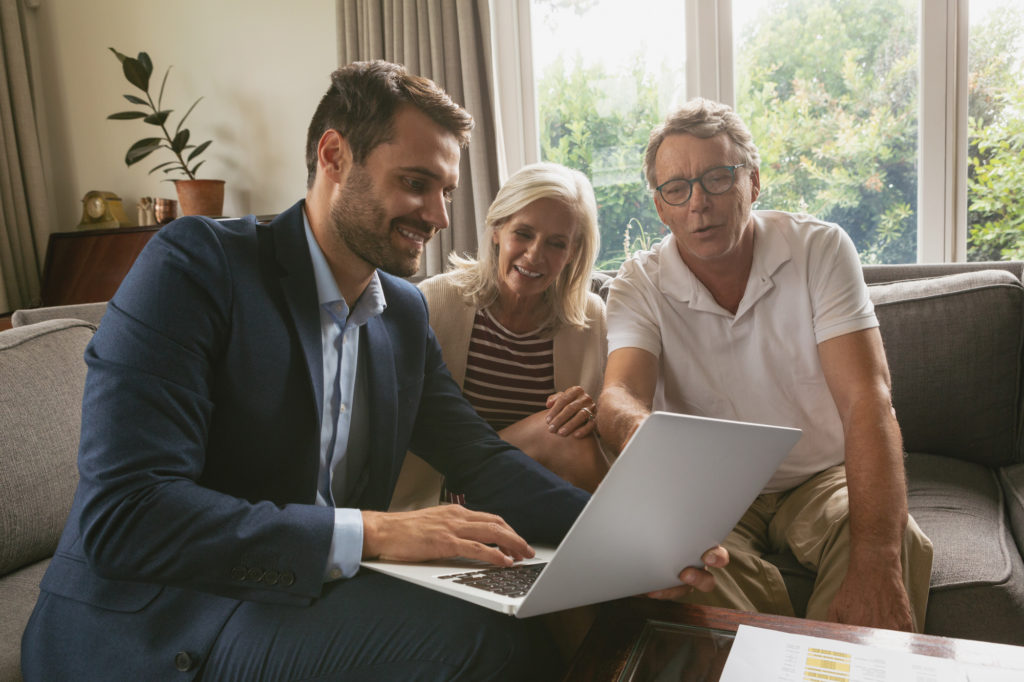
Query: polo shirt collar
point(771, 251)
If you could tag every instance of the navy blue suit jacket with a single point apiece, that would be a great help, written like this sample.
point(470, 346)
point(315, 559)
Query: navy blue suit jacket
point(199, 449)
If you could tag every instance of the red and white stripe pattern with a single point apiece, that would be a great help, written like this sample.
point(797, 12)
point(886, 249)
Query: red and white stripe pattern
point(508, 376)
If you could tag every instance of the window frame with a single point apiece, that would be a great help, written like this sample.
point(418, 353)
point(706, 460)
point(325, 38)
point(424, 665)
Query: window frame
point(942, 114)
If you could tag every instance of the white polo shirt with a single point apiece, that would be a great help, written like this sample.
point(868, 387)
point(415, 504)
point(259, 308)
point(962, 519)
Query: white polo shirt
point(761, 364)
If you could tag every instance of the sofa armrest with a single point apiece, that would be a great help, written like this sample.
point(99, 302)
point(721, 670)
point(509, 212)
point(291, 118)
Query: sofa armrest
point(89, 312)
point(40, 417)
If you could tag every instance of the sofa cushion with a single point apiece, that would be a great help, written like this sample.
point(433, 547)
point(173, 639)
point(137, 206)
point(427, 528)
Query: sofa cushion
point(976, 567)
point(954, 350)
point(43, 375)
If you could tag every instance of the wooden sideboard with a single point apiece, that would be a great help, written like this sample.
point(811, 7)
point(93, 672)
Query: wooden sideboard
point(86, 266)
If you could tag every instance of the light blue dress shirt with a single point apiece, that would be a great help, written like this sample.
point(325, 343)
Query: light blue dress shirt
point(343, 449)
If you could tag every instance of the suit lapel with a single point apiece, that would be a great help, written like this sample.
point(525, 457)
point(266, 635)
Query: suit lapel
point(291, 252)
point(383, 398)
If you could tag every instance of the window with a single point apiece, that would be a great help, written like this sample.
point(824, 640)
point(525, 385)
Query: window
point(830, 92)
point(605, 74)
point(860, 109)
point(995, 126)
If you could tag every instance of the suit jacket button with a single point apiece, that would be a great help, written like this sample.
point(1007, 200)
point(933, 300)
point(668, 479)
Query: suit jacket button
point(238, 573)
point(270, 577)
point(183, 661)
point(254, 574)
point(287, 578)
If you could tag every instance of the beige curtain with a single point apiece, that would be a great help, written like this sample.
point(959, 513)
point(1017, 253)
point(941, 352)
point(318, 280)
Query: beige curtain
point(447, 41)
point(24, 212)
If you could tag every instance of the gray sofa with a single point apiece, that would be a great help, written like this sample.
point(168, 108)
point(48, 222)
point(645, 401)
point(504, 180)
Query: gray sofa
point(955, 344)
point(42, 375)
point(954, 335)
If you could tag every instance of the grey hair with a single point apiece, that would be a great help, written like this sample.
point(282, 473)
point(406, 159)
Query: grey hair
point(566, 298)
point(702, 118)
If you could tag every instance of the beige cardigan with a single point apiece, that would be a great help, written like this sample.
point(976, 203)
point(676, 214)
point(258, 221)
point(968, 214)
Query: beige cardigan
point(579, 359)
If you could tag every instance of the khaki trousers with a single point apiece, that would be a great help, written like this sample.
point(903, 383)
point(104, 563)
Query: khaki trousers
point(811, 520)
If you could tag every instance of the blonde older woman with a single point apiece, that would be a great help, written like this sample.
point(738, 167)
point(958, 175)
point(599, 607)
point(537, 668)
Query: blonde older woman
point(520, 330)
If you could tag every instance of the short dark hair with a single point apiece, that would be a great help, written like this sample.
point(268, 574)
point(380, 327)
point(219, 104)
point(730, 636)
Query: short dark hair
point(362, 102)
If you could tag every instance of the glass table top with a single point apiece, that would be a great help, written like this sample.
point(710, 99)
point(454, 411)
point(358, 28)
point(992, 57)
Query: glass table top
point(671, 652)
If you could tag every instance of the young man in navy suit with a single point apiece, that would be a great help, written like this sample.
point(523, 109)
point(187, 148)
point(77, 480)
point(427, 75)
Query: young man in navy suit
point(251, 395)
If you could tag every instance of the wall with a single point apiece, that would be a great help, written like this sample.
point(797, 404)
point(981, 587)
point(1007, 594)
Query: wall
point(260, 66)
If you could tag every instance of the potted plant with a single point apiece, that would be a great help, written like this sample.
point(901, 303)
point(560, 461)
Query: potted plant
point(195, 196)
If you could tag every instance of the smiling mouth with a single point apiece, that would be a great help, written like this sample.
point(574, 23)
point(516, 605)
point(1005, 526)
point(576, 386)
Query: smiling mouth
point(416, 237)
point(527, 273)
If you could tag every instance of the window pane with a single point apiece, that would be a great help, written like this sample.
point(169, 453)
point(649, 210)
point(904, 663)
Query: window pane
point(830, 92)
point(606, 73)
point(995, 129)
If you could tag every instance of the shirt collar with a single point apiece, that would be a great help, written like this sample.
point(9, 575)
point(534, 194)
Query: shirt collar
point(771, 251)
point(370, 304)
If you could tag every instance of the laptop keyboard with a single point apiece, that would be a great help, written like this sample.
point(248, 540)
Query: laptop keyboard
point(511, 581)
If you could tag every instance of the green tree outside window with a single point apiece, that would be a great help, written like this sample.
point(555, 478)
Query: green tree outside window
point(830, 91)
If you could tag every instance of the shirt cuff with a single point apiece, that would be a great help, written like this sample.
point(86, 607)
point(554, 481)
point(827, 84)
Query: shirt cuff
point(346, 545)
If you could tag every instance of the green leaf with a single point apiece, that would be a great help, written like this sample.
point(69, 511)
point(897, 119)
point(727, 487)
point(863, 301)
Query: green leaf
point(182, 121)
point(159, 166)
point(141, 149)
point(158, 117)
point(136, 100)
point(121, 57)
point(147, 64)
point(199, 150)
point(160, 97)
point(136, 73)
point(127, 115)
point(196, 167)
point(146, 142)
point(179, 141)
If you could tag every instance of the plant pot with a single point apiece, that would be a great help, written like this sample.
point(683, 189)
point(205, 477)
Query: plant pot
point(200, 197)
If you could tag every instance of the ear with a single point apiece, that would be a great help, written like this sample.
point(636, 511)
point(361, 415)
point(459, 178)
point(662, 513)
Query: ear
point(334, 157)
point(495, 239)
point(660, 206)
point(755, 184)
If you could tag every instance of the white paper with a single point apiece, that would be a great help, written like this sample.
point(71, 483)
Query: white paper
point(768, 655)
point(977, 673)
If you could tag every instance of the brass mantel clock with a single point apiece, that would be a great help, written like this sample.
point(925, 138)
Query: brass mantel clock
point(102, 210)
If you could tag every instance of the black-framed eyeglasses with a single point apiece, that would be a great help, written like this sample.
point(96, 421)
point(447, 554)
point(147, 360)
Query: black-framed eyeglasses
point(717, 180)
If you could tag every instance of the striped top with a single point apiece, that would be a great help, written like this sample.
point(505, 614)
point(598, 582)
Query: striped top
point(508, 376)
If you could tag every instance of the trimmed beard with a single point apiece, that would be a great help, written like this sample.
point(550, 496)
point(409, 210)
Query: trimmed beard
point(359, 220)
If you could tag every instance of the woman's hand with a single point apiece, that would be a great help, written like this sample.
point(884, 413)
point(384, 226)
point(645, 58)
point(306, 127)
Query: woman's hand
point(571, 413)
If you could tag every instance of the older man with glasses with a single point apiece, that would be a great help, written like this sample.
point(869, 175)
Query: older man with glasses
point(763, 316)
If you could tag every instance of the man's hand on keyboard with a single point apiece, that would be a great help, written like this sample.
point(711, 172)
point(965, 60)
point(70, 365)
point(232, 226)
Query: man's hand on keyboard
point(696, 578)
point(441, 532)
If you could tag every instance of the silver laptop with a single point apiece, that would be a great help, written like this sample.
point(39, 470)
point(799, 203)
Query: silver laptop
point(678, 488)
